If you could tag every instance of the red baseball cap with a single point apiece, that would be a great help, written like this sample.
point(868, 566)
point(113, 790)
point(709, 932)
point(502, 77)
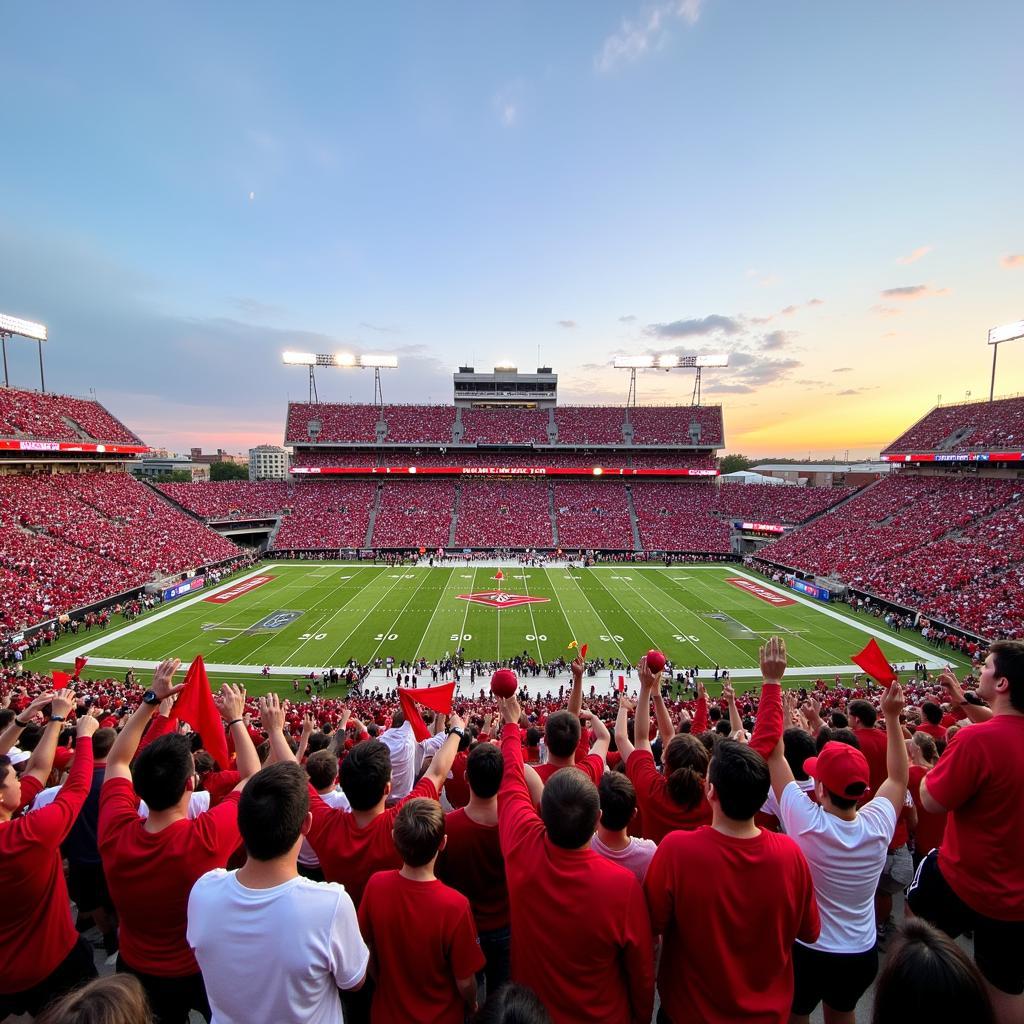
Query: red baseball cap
point(841, 769)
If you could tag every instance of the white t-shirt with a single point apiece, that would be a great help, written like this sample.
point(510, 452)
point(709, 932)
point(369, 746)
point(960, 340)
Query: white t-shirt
point(335, 798)
point(198, 802)
point(636, 857)
point(275, 956)
point(846, 859)
point(771, 805)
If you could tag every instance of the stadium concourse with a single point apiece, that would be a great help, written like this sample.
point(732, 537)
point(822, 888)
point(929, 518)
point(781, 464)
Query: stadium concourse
point(417, 856)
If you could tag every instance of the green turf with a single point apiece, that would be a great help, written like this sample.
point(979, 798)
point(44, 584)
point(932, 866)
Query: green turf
point(364, 611)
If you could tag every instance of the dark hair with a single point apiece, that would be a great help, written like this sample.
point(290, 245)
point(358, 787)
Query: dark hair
point(797, 746)
point(365, 774)
point(714, 713)
point(686, 762)
point(5, 764)
point(114, 999)
point(162, 771)
point(570, 808)
point(419, 829)
point(205, 762)
point(927, 976)
point(847, 736)
point(102, 741)
point(318, 740)
point(512, 1004)
point(562, 734)
point(484, 768)
point(864, 711)
point(837, 720)
point(722, 727)
point(932, 712)
point(929, 748)
point(842, 803)
point(741, 779)
point(322, 769)
point(6, 717)
point(30, 737)
point(533, 736)
point(1009, 662)
point(618, 800)
point(272, 810)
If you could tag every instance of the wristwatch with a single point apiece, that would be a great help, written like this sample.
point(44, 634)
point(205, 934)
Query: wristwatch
point(456, 731)
point(150, 698)
point(58, 718)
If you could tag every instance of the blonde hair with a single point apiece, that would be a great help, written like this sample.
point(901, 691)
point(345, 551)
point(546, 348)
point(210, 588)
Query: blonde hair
point(117, 999)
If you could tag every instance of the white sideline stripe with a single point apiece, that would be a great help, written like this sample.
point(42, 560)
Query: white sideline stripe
point(930, 659)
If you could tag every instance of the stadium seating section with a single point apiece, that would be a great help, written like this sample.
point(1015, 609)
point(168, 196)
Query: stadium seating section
point(414, 513)
point(502, 513)
point(679, 517)
point(969, 426)
point(949, 545)
point(29, 415)
point(593, 515)
point(72, 539)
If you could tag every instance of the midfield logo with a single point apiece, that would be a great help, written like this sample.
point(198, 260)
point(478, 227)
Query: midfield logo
point(501, 599)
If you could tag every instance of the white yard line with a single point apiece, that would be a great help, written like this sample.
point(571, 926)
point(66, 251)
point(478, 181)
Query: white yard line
point(430, 621)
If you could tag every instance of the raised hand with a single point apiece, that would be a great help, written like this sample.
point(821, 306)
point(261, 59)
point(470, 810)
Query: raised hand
point(63, 703)
point(163, 678)
point(86, 725)
point(577, 666)
point(893, 702)
point(648, 679)
point(271, 713)
point(773, 660)
point(952, 686)
point(729, 693)
point(36, 706)
point(308, 725)
point(230, 702)
point(510, 710)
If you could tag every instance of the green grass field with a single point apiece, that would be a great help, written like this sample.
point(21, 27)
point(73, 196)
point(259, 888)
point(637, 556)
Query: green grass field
point(310, 615)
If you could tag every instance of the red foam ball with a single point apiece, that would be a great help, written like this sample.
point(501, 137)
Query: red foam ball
point(655, 661)
point(504, 683)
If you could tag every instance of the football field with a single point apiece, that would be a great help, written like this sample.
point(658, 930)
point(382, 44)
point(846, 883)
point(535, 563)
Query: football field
point(299, 617)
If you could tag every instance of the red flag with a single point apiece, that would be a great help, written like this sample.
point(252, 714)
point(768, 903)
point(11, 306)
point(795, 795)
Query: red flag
point(60, 680)
point(79, 665)
point(499, 575)
point(195, 706)
point(583, 651)
point(875, 663)
point(437, 698)
point(622, 684)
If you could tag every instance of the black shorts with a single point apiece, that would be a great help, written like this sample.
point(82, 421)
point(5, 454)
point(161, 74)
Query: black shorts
point(75, 969)
point(87, 886)
point(998, 945)
point(171, 999)
point(836, 979)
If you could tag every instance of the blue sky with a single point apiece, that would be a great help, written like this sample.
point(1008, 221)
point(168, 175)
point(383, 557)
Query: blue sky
point(830, 193)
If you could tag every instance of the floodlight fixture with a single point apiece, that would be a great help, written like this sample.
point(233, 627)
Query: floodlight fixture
point(345, 361)
point(667, 361)
point(996, 337)
point(298, 358)
point(718, 359)
point(633, 362)
point(377, 361)
point(15, 325)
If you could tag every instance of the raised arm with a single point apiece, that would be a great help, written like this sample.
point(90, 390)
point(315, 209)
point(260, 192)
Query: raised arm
point(768, 728)
point(231, 705)
point(121, 753)
point(20, 722)
point(700, 712)
point(622, 744)
point(308, 727)
point(41, 761)
point(576, 666)
point(642, 720)
point(442, 761)
point(735, 719)
point(897, 764)
point(603, 738)
point(975, 712)
point(272, 719)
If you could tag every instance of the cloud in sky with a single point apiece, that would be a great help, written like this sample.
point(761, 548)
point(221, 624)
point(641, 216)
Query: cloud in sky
point(379, 328)
point(843, 369)
point(886, 311)
point(789, 310)
point(1012, 260)
point(696, 327)
point(508, 103)
point(912, 292)
point(912, 257)
point(567, 324)
point(649, 31)
point(775, 340)
point(630, 319)
point(763, 279)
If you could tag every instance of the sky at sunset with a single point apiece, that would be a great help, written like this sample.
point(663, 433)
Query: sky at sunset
point(829, 193)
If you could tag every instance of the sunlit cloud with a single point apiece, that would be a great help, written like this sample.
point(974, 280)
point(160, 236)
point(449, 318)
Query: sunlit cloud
point(648, 32)
point(912, 257)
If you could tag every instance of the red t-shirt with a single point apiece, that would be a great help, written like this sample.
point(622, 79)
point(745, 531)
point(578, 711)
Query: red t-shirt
point(36, 932)
point(935, 731)
point(592, 765)
point(349, 854)
point(472, 863)
point(980, 781)
point(930, 827)
point(219, 784)
point(150, 875)
point(456, 789)
point(581, 937)
point(422, 937)
point(661, 814)
point(730, 910)
point(873, 746)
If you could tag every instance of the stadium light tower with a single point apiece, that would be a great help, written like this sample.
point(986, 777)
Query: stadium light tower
point(11, 325)
point(666, 362)
point(996, 336)
point(346, 361)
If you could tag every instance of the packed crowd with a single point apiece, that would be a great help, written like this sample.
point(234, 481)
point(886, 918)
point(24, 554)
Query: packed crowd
point(501, 513)
point(414, 513)
point(67, 540)
point(30, 415)
point(951, 547)
point(330, 514)
point(507, 859)
point(593, 515)
point(968, 426)
point(620, 458)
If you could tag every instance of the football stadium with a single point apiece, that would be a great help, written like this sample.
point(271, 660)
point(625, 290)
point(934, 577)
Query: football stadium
point(493, 689)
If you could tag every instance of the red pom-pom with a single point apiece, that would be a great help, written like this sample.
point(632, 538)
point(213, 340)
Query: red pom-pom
point(504, 683)
point(655, 661)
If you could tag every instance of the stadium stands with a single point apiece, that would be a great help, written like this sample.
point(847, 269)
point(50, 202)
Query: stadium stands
point(414, 513)
point(776, 503)
point(230, 499)
point(679, 517)
point(593, 515)
point(673, 424)
point(353, 423)
point(505, 426)
point(501, 513)
point(328, 515)
point(29, 415)
point(985, 426)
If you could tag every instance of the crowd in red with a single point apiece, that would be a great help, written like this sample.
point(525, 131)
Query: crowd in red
point(968, 426)
point(327, 515)
point(593, 515)
point(414, 513)
point(31, 415)
point(502, 513)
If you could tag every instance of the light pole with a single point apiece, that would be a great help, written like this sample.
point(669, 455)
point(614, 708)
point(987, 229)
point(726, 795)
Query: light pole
point(996, 336)
point(11, 325)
